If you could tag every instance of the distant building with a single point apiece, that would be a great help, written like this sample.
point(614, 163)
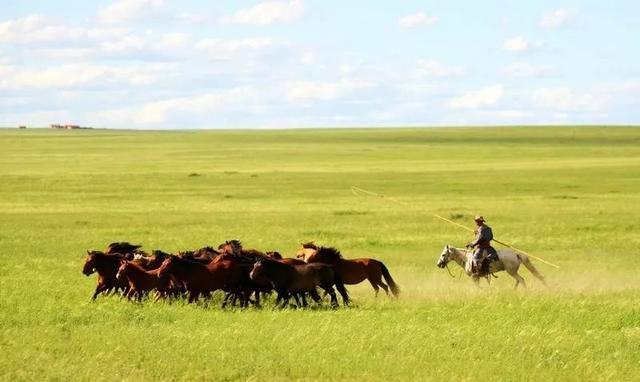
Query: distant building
point(22, 127)
point(67, 127)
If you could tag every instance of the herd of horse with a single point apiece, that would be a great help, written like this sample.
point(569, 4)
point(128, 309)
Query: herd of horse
point(242, 274)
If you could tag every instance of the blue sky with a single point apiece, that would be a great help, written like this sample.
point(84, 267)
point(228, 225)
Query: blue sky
point(153, 64)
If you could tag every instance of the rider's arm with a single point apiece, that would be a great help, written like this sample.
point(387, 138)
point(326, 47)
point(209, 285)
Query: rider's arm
point(484, 234)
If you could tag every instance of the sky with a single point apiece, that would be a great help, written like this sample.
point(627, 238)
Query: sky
point(166, 64)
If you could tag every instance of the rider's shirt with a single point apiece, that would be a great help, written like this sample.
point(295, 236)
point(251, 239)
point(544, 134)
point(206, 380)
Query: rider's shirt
point(484, 235)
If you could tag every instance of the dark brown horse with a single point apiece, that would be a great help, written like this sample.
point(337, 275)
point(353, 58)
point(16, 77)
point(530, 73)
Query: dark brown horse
point(141, 281)
point(234, 247)
point(201, 279)
point(232, 250)
point(274, 255)
point(123, 247)
point(155, 260)
point(107, 267)
point(289, 279)
point(352, 271)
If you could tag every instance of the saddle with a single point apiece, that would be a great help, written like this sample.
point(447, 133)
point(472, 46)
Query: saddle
point(488, 255)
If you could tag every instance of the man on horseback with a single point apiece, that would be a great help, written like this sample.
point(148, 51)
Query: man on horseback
point(483, 253)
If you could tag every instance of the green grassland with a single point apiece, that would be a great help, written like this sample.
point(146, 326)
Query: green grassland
point(569, 195)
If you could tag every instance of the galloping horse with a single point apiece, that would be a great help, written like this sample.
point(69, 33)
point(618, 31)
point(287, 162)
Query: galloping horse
point(352, 271)
point(204, 279)
point(107, 268)
point(124, 248)
point(295, 279)
point(234, 247)
point(141, 280)
point(509, 261)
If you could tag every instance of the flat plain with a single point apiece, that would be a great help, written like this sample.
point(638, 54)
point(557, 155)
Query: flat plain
point(569, 195)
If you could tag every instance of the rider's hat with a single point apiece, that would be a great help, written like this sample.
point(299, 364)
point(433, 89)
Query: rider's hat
point(479, 218)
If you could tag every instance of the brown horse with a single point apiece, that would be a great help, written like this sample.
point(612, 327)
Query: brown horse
point(352, 271)
point(235, 247)
point(289, 279)
point(107, 268)
point(124, 248)
point(201, 279)
point(287, 260)
point(141, 281)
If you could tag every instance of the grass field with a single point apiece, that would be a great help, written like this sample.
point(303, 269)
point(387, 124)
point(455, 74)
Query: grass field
point(568, 195)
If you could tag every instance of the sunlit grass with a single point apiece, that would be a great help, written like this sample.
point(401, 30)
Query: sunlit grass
point(568, 195)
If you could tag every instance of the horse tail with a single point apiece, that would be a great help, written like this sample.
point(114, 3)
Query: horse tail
point(387, 277)
point(340, 287)
point(529, 265)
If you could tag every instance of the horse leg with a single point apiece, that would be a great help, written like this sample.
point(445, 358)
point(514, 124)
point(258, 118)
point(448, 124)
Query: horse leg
point(99, 288)
point(315, 296)
point(296, 297)
point(334, 299)
point(257, 294)
point(518, 278)
point(285, 299)
point(376, 289)
point(227, 295)
point(375, 278)
point(234, 299)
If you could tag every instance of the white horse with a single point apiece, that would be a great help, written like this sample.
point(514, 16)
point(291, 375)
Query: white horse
point(509, 261)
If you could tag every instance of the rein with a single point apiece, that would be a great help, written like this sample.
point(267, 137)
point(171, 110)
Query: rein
point(448, 270)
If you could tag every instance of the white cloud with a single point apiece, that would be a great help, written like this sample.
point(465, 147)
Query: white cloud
point(520, 45)
point(268, 12)
point(566, 99)
point(227, 49)
point(236, 99)
point(42, 29)
point(475, 99)
point(508, 114)
point(556, 18)
point(307, 58)
point(318, 90)
point(525, 69)
point(126, 11)
point(432, 68)
point(76, 75)
point(415, 19)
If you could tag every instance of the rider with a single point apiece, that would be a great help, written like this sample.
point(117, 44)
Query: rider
point(482, 243)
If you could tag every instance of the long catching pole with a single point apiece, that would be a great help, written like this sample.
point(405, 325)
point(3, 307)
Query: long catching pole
point(355, 190)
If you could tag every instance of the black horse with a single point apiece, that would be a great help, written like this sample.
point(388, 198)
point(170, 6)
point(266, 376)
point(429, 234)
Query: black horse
point(289, 279)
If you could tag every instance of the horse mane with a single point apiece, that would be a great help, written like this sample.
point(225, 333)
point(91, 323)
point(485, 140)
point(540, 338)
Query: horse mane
point(274, 255)
point(234, 242)
point(329, 253)
point(206, 251)
point(157, 252)
point(124, 245)
point(310, 245)
point(114, 255)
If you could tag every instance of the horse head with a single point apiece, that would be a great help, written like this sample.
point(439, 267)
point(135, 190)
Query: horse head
point(274, 255)
point(445, 256)
point(257, 272)
point(230, 246)
point(306, 250)
point(167, 266)
point(122, 270)
point(90, 262)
